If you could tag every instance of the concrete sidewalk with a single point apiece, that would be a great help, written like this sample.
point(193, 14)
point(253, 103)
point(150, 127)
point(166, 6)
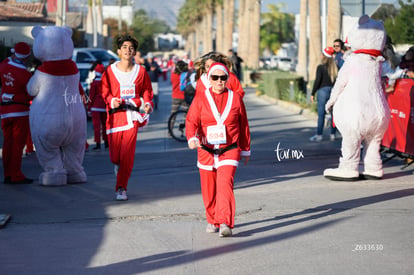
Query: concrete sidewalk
point(289, 220)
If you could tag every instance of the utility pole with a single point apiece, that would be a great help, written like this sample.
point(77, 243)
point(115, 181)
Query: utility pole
point(120, 18)
point(61, 13)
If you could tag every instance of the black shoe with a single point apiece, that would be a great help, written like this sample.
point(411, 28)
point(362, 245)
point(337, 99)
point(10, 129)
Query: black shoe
point(7, 180)
point(24, 181)
point(106, 144)
point(97, 147)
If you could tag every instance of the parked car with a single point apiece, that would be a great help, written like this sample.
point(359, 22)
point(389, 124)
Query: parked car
point(84, 71)
point(85, 57)
point(285, 64)
point(90, 55)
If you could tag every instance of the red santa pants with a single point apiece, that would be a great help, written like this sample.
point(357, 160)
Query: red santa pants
point(218, 196)
point(122, 152)
point(15, 131)
point(99, 126)
point(29, 143)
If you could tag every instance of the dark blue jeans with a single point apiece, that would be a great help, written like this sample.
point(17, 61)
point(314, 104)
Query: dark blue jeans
point(322, 98)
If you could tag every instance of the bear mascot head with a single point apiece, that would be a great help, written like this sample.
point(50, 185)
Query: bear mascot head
point(360, 109)
point(57, 114)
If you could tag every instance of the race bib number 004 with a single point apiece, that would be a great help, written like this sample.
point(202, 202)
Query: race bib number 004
point(216, 134)
point(127, 91)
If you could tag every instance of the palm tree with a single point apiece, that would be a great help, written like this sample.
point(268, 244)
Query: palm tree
point(219, 26)
point(315, 47)
point(229, 8)
point(254, 35)
point(302, 68)
point(334, 21)
point(243, 30)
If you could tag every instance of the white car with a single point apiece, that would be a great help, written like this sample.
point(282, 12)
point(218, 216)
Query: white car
point(90, 55)
point(285, 64)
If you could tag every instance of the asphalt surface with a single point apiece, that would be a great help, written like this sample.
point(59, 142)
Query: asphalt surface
point(289, 219)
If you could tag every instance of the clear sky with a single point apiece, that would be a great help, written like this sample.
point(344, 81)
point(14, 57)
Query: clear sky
point(293, 6)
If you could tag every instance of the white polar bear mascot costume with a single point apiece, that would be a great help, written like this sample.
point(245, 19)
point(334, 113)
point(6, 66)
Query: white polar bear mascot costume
point(57, 114)
point(360, 109)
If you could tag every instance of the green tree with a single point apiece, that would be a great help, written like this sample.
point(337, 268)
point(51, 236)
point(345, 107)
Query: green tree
point(401, 27)
point(277, 28)
point(144, 28)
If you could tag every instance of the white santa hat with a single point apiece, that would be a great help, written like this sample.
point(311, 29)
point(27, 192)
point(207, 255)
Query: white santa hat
point(217, 66)
point(21, 50)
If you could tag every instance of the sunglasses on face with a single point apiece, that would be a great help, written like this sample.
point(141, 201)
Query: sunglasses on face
point(216, 77)
point(337, 46)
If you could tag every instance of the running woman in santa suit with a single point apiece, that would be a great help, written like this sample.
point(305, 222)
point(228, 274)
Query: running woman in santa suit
point(217, 126)
point(124, 83)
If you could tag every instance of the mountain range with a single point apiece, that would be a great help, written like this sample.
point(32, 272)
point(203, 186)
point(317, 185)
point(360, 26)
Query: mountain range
point(166, 10)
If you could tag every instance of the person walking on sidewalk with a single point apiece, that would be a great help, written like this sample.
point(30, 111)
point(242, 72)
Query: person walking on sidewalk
point(98, 108)
point(217, 126)
point(123, 85)
point(326, 74)
point(14, 112)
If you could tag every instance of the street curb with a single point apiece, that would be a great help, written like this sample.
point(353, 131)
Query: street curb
point(291, 107)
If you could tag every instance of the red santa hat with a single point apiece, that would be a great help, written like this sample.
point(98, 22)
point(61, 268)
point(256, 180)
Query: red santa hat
point(328, 51)
point(100, 68)
point(217, 66)
point(21, 50)
point(346, 43)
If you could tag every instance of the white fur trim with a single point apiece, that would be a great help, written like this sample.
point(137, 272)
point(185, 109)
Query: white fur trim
point(217, 67)
point(245, 153)
point(16, 114)
point(102, 110)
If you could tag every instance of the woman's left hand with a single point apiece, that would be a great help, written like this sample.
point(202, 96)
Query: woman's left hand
point(246, 159)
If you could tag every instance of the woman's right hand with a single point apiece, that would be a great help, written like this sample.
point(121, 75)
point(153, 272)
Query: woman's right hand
point(193, 144)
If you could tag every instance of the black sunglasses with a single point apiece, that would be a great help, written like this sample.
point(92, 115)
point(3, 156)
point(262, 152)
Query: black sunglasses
point(216, 77)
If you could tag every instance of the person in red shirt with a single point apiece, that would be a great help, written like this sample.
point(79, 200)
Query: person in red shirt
point(14, 112)
point(97, 107)
point(217, 126)
point(203, 66)
point(123, 85)
point(177, 94)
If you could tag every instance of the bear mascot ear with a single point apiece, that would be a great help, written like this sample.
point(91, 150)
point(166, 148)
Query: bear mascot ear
point(36, 30)
point(363, 20)
point(67, 30)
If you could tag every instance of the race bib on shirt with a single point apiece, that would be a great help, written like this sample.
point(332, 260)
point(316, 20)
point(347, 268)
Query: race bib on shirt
point(216, 134)
point(127, 91)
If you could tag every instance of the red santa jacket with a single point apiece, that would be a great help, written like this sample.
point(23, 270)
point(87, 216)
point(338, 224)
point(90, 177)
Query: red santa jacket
point(233, 84)
point(96, 101)
point(175, 82)
point(204, 112)
point(139, 86)
point(15, 100)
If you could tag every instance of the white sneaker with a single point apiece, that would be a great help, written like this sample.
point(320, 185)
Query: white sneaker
point(211, 228)
point(225, 230)
point(332, 137)
point(316, 138)
point(121, 195)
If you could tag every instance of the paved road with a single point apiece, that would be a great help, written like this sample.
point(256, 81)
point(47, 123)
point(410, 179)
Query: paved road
point(289, 220)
